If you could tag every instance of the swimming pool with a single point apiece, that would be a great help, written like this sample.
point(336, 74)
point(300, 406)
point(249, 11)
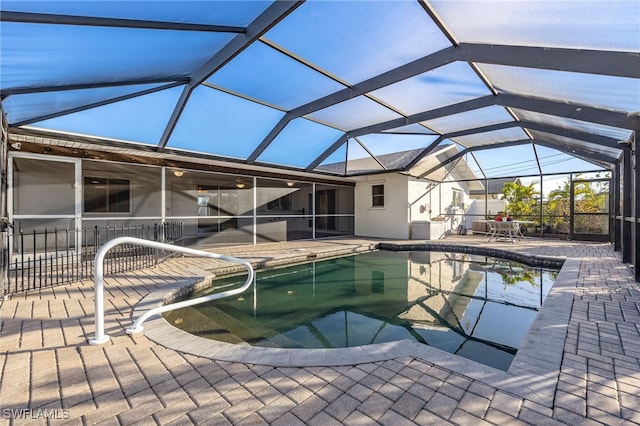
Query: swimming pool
point(474, 306)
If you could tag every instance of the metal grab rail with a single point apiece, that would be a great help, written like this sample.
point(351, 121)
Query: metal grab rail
point(101, 337)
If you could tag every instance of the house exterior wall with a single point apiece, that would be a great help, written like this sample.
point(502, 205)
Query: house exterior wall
point(145, 204)
point(430, 200)
point(409, 203)
point(445, 199)
point(60, 193)
point(33, 198)
point(477, 210)
point(390, 221)
point(44, 187)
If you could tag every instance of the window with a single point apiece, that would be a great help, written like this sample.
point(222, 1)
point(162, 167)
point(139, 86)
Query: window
point(280, 204)
point(215, 200)
point(104, 195)
point(457, 199)
point(377, 195)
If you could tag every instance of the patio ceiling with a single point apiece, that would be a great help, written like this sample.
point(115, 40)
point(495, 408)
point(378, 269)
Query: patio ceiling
point(314, 85)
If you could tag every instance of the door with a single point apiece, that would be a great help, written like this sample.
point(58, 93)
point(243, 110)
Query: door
point(590, 209)
point(326, 209)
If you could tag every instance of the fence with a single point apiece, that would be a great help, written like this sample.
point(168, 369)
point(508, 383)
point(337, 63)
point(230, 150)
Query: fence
point(38, 259)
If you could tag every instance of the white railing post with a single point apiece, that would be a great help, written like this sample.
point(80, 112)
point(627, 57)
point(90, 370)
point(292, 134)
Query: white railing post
point(98, 264)
point(98, 283)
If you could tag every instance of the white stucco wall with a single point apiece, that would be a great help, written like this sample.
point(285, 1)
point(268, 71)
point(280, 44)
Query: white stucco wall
point(477, 210)
point(407, 201)
point(422, 198)
point(390, 221)
point(430, 200)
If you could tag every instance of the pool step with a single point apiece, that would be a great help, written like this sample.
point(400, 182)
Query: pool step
point(244, 326)
point(199, 324)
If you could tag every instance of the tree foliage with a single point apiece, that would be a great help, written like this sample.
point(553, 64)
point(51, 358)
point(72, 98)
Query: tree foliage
point(521, 199)
point(557, 206)
point(589, 197)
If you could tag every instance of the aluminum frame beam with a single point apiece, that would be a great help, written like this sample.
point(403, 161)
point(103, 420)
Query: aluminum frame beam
point(425, 152)
point(469, 150)
point(56, 19)
point(44, 89)
point(530, 125)
point(589, 156)
point(95, 104)
point(570, 133)
point(611, 63)
point(577, 111)
point(567, 109)
point(623, 64)
point(602, 62)
point(270, 17)
point(419, 66)
point(577, 151)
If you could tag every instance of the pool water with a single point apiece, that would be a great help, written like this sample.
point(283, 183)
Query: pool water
point(473, 306)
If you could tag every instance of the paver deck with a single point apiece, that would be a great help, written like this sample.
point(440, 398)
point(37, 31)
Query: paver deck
point(51, 375)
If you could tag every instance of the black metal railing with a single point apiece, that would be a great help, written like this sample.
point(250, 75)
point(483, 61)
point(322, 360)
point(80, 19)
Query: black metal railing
point(50, 257)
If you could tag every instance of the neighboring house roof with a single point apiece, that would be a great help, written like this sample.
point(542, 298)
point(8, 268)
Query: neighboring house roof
point(396, 161)
point(427, 167)
point(392, 161)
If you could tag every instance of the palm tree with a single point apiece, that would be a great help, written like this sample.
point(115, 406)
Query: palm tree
point(521, 199)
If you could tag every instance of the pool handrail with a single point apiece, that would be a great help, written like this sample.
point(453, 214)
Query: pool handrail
point(98, 264)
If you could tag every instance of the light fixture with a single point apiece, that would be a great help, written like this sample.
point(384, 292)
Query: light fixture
point(178, 173)
point(290, 183)
point(240, 184)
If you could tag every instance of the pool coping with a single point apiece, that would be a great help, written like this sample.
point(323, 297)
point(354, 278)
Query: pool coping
point(533, 373)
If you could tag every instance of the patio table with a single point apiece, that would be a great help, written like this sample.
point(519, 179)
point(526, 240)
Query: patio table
point(506, 230)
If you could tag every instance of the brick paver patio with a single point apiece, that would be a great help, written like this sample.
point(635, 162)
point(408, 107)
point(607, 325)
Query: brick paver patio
point(51, 375)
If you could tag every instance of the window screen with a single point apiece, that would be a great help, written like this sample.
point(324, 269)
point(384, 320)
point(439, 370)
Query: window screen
point(103, 195)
